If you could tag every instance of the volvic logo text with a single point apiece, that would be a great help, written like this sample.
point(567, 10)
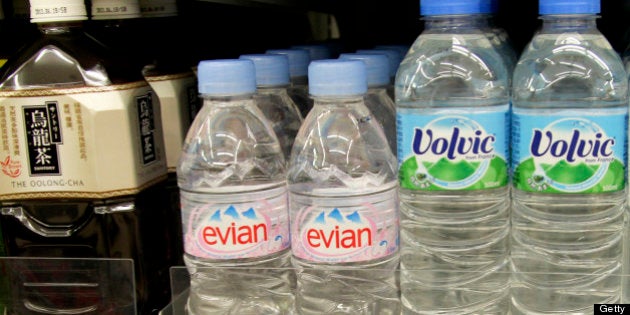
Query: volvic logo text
point(424, 141)
point(545, 142)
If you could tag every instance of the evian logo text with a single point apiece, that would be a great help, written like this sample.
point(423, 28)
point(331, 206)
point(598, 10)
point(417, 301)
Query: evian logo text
point(232, 232)
point(577, 146)
point(235, 235)
point(455, 145)
point(331, 234)
point(339, 238)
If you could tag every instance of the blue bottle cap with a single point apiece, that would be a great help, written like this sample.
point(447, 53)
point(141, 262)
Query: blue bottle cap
point(335, 77)
point(377, 67)
point(298, 60)
point(455, 7)
point(394, 56)
point(316, 52)
point(271, 70)
point(550, 7)
point(226, 77)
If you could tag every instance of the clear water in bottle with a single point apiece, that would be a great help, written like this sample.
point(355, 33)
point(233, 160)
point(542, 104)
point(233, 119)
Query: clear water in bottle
point(377, 100)
point(234, 200)
point(272, 97)
point(343, 200)
point(452, 120)
point(569, 150)
point(298, 73)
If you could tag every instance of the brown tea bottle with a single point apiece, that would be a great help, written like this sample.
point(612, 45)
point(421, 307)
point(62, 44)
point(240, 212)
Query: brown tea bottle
point(84, 166)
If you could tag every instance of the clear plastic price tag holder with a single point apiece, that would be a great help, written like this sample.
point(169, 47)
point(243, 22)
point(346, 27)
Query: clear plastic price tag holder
point(180, 285)
point(67, 286)
point(604, 294)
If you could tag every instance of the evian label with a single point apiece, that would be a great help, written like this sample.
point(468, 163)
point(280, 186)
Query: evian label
point(236, 230)
point(80, 143)
point(355, 233)
point(460, 149)
point(571, 151)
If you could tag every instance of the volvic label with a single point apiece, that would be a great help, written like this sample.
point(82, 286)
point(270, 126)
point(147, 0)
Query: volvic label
point(570, 151)
point(346, 234)
point(455, 149)
point(240, 230)
point(178, 95)
point(80, 143)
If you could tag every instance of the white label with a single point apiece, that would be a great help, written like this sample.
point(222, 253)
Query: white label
point(80, 143)
point(114, 9)
point(51, 11)
point(158, 8)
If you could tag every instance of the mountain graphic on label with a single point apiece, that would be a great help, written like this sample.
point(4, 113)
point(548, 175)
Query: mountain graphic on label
point(452, 171)
point(232, 213)
point(336, 215)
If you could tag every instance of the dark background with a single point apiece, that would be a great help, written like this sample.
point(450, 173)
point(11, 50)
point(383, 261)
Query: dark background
point(228, 28)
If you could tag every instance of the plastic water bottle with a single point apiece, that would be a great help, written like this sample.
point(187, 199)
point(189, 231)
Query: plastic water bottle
point(234, 200)
point(395, 57)
point(377, 100)
point(272, 81)
point(343, 200)
point(298, 73)
point(499, 37)
point(452, 100)
point(569, 160)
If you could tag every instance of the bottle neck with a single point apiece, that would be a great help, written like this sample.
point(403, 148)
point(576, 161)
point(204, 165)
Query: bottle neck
point(228, 100)
point(271, 89)
point(448, 22)
point(569, 23)
point(338, 100)
point(299, 80)
point(58, 28)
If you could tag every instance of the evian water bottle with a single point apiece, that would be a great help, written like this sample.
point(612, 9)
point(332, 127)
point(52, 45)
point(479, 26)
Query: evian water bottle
point(570, 116)
point(233, 192)
point(343, 200)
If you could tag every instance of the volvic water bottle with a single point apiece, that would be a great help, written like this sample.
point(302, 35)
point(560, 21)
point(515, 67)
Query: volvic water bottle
point(272, 81)
point(452, 99)
point(377, 101)
point(234, 200)
point(500, 38)
point(343, 200)
point(569, 130)
point(298, 72)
